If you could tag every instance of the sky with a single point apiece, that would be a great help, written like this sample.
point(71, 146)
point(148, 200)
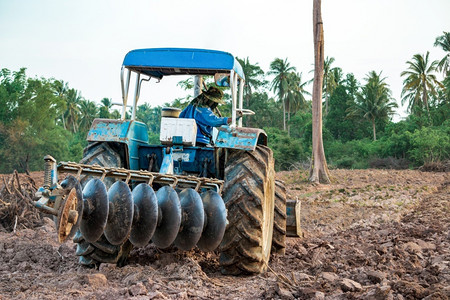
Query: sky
point(84, 42)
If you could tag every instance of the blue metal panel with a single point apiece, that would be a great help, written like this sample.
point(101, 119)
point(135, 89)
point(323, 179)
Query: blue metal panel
point(239, 138)
point(189, 161)
point(131, 133)
point(159, 62)
point(137, 136)
point(105, 130)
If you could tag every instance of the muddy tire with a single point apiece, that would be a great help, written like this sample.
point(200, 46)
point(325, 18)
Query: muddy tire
point(102, 251)
point(249, 197)
point(279, 222)
point(102, 154)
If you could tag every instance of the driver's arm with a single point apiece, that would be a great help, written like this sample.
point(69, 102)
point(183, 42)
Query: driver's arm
point(206, 116)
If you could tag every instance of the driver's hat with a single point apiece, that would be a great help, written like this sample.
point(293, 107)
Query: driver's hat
point(214, 94)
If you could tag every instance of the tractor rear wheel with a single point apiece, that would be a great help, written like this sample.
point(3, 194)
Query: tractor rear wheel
point(102, 251)
point(249, 197)
point(279, 223)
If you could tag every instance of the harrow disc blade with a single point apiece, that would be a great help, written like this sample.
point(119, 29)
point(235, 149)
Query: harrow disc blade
point(193, 219)
point(95, 212)
point(216, 221)
point(70, 210)
point(145, 215)
point(120, 217)
point(170, 209)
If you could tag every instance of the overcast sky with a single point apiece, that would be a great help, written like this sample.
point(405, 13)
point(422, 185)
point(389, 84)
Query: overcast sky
point(84, 42)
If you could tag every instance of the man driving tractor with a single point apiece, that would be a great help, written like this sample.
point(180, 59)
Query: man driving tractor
point(201, 110)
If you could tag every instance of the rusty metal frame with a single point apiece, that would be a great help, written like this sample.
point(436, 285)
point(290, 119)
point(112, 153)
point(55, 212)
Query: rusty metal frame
point(180, 181)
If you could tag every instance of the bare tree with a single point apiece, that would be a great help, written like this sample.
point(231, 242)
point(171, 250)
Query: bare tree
point(318, 172)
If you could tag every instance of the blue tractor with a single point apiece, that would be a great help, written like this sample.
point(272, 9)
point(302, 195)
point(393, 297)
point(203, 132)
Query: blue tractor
point(127, 193)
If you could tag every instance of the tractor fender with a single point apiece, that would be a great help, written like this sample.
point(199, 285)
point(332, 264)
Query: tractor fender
point(125, 132)
point(241, 138)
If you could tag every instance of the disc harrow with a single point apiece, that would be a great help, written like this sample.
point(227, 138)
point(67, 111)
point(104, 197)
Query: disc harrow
point(185, 211)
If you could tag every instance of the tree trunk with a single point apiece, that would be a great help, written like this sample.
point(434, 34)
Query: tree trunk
point(288, 118)
point(425, 101)
point(319, 172)
point(425, 97)
point(374, 130)
point(284, 114)
point(64, 121)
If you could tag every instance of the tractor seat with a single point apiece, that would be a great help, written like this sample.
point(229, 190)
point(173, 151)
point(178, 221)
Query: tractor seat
point(170, 112)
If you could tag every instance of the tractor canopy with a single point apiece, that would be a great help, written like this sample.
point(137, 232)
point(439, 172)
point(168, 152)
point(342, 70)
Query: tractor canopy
point(160, 62)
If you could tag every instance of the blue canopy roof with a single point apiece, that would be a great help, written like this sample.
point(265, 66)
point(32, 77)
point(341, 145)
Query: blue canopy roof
point(159, 62)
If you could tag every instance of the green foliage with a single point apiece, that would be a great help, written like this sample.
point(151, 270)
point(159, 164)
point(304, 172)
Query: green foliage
point(301, 123)
point(430, 144)
point(353, 154)
point(267, 111)
point(336, 121)
point(286, 150)
point(28, 130)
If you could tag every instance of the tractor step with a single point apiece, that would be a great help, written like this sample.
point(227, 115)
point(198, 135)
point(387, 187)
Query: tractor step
point(293, 224)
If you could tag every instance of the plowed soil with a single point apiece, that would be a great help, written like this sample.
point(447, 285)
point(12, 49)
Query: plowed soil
point(372, 234)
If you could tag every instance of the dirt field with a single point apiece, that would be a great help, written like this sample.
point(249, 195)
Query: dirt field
point(372, 234)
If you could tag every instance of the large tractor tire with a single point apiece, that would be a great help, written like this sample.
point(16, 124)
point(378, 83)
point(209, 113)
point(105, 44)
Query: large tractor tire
point(249, 197)
point(93, 254)
point(279, 223)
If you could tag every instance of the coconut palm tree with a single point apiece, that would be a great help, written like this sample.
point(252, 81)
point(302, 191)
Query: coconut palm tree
point(420, 82)
point(374, 102)
point(351, 84)
point(60, 89)
point(88, 112)
point(295, 95)
point(331, 79)
point(443, 41)
point(281, 69)
point(105, 108)
point(72, 109)
point(254, 78)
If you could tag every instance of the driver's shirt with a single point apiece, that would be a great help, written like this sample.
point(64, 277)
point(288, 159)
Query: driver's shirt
point(205, 119)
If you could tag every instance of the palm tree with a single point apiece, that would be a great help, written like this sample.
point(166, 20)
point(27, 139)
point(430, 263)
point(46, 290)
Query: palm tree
point(374, 102)
point(72, 109)
point(331, 79)
point(254, 78)
point(351, 84)
point(60, 89)
point(105, 108)
point(88, 112)
point(295, 95)
point(443, 41)
point(281, 69)
point(420, 82)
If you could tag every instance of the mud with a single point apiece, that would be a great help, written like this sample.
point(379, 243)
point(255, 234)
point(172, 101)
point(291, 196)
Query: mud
point(372, 234)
